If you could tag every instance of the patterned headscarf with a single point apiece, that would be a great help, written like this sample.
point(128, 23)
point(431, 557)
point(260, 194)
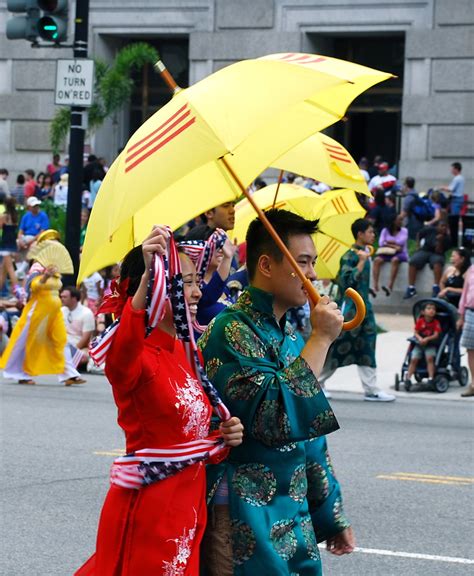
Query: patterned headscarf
point(201, 252)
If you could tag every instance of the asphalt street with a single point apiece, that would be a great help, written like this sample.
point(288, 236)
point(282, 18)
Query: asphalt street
point(407, 472)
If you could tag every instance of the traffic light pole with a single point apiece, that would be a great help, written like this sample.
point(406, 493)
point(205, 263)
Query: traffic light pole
point(76, 148)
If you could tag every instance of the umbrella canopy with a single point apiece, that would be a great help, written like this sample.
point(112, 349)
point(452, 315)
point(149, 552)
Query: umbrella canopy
point(336, 210)
point(324, 159)
point(210, 139)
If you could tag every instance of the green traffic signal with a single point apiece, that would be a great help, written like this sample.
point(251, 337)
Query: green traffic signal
point(52, 29)
point(52, 26)
point(47, 19)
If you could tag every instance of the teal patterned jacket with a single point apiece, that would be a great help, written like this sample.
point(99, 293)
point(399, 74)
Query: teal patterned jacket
point(354, 346)
point(283, 495)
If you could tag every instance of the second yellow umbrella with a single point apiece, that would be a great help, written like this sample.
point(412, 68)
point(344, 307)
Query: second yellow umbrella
point(324, 159)
point(336, 210)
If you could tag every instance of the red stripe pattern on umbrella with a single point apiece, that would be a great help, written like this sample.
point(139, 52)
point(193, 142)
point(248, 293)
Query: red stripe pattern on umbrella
point(337, 152)
point(168, 130)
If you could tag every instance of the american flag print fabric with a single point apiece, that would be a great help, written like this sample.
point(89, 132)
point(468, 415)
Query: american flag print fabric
point(143, 467)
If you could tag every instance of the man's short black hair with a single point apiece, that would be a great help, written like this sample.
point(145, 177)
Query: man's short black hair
point(75, 293)
point(200, 232)
point(410, 182)
point(360, 225)
point(260, 242)
point(457, 166)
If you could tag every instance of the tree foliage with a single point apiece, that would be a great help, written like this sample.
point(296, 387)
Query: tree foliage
point(113, 87)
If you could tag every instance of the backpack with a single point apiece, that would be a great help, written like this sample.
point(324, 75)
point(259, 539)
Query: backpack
point(422, 208)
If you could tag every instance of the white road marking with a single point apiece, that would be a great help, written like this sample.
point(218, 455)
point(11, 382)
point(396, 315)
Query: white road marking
point(376, 551)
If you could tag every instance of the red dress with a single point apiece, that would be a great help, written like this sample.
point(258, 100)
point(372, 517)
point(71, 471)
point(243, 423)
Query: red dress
point(157, 529)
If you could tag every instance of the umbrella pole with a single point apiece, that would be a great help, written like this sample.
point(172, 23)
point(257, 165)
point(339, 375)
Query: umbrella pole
point(313, 294)
point(167, 78)
point(280, 178)
point(307, 284)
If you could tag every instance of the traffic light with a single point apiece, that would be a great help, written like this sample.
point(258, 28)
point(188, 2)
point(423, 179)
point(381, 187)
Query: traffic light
point(52, 26)
point(47, 19)
point(25, 27)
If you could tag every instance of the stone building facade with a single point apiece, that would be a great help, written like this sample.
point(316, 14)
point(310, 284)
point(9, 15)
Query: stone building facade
point(427, 115)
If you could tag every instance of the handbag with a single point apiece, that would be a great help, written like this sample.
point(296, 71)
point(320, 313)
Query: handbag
point(386, 251)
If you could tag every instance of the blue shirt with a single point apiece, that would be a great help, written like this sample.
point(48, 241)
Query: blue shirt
point(457, 186)
point(32, 225)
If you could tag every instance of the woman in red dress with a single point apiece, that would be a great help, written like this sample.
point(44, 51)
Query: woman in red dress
point(156, 529)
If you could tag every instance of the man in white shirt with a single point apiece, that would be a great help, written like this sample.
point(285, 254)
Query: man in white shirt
point(79, 320)
point(383, 180)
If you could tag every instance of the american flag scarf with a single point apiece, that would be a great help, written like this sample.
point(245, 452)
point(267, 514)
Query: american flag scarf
point(201, 253)
point(153, 464)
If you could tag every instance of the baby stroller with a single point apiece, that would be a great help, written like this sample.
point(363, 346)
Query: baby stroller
point(448, 357)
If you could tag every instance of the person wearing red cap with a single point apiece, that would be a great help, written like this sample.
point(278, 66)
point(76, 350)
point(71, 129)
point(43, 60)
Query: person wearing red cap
point(383, 180)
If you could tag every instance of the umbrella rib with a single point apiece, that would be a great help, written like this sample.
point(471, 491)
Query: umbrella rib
point(323, 108)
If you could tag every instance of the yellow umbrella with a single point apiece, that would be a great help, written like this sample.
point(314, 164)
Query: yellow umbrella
point(211, 140)
point(324, 159)
point(336, 210)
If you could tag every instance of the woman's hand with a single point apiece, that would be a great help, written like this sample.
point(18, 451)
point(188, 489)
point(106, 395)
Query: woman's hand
point(155, 243)
point(51, 271)
point(232, 431)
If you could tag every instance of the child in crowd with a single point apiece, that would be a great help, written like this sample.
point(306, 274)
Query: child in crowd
point(427, 331)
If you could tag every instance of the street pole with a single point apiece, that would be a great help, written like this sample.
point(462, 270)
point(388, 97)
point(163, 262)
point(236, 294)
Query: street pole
point(76, 148)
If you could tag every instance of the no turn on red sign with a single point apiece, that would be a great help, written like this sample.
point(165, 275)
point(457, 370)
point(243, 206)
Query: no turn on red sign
point(74, 82)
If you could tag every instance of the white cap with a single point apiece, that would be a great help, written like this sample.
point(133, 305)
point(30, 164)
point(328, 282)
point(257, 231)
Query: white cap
point(33, 201)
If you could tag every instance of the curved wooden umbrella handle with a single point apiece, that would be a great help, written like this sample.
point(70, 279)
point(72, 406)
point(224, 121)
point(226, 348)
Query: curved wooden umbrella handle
point(349, 293)
point(360, 309)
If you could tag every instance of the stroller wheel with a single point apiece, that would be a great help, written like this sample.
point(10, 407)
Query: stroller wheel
point(397, 382)
point(463, 376)
point(440, 384)
point(418, 378)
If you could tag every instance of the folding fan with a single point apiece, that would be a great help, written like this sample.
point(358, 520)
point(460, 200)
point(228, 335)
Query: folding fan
point(51, 253)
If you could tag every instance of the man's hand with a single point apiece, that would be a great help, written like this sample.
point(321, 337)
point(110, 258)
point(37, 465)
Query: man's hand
point(326, 320)
point(232, 431)
point(229, 249)
point(342, 543)
point(363, 255)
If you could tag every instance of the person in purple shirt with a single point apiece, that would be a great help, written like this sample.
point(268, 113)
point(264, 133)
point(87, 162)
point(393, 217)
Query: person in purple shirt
point(392, 248)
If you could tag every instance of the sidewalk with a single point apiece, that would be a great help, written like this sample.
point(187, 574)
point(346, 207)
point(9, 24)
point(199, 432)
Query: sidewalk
point(391, 350)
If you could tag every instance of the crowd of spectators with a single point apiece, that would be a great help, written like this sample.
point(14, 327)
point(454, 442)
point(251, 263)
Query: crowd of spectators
point(412, 229)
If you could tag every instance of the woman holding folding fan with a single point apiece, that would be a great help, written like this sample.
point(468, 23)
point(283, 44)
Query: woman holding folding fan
point(155, 512)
